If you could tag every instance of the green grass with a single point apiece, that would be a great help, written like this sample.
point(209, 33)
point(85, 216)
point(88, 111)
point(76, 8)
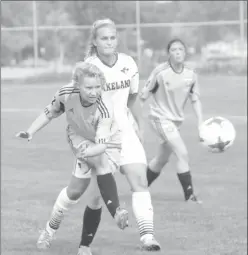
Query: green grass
point(34, 173)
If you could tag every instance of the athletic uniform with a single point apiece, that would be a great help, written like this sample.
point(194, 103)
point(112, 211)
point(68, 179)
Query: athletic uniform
point(87, 125)
point(122, 79)
point(170, 93)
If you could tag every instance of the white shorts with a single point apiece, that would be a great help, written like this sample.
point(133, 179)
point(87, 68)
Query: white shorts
point(81, 167)
point(165, 130)
point(83, 171)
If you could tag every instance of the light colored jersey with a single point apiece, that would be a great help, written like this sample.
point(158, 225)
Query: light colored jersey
point(122, 79)
point(170, 91)
point(95, 123)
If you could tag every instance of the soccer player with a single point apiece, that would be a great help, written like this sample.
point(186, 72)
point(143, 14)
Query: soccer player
point(94, 138)
point(170, 86)
point(122, 84)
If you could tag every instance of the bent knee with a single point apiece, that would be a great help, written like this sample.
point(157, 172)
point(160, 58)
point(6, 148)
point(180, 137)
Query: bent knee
point(183, 156)
point(160, 161)
point(136, 176)
point(74, 193)
point(95, 202)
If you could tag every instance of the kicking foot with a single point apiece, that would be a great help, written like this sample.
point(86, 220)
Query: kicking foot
point(45, 238)
point(121, 218)
point(150, 244)
point(84, 250)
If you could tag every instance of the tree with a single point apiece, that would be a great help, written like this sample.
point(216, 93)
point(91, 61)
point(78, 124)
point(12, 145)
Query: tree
point(19, 14)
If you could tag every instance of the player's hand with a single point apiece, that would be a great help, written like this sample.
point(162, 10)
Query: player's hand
point(82, 151)
point(24, 135)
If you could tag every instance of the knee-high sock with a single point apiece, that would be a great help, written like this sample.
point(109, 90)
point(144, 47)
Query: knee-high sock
point(62, 204)
point(91, 221)
point(143, 211)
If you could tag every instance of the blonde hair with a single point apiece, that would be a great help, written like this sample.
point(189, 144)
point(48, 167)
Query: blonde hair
point(84, 69)
point(91, 48)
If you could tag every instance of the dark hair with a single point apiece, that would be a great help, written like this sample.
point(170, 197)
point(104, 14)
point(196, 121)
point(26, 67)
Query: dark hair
point(173, 41)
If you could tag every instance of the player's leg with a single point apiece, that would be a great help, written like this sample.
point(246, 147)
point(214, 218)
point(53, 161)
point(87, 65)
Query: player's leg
point(108, 188)
point(133, 165)
point(175, 142)
point(156, 165)
point(68, 197)
point(92, 213)
point(91, 217)
point(100, 164)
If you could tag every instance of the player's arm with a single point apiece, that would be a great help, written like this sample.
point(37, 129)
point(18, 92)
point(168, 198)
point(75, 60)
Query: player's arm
point(104, 131)
point(53, 110)
point(151, 84)
point(196, 102)
point(133, 103)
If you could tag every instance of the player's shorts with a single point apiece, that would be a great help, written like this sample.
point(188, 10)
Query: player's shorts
point(165, 130)
point(132, 151)
point(81, 167)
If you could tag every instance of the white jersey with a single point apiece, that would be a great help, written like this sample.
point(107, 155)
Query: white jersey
point(122, 79)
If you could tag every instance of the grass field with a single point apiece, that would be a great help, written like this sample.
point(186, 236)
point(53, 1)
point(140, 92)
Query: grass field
point(34, 173)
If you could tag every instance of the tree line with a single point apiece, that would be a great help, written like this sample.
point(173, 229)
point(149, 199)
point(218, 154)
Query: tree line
point(69, 45)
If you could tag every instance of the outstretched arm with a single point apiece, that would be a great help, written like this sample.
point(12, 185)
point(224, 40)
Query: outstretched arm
point(53, 110)
point(40, 122)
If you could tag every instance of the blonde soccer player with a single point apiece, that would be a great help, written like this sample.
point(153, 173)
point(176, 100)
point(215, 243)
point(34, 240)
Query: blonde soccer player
point(170, 86)
point(94, 138)
point(122, 85)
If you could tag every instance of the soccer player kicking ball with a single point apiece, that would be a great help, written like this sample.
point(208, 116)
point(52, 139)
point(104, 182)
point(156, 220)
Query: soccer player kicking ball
point(122, 85)
point(94, 139)
point(170, 85)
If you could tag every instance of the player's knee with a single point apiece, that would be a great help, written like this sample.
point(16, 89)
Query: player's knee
point(183, 156)
point(101, 165)
point(139, 185)
point(95, 202)
point(160, 161)
point(183, 162)
point(182, 153)
point(136, 176)
point(74, 193)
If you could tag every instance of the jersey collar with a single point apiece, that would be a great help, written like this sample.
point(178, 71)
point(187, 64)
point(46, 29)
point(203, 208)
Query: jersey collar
point(81, 101)
point(174, 69)
point(106, 64)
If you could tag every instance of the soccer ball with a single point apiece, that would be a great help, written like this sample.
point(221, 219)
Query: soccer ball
point(217, 134)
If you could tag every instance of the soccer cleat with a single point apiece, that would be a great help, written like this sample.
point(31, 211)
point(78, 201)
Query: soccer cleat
point(121, 218)
point(45, 239)
point(193, 199)
point(150, 244)
point(84, 250)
